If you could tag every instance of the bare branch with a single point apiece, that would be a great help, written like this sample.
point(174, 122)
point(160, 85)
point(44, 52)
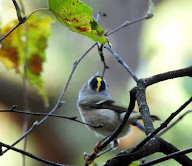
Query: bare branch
point(163, 125)
point(174, 123)
point(30, 155)
point(74, 118)
point(125, 24)
point(5, 35)
point(121, 61)
point(150, 9)
point(168, 75)
point(19, 17)
point(148, 15)
point(167, 157)
point(100, 51)
point(18, 10)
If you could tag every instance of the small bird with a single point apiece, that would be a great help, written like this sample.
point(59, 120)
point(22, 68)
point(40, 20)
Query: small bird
point(97, 108)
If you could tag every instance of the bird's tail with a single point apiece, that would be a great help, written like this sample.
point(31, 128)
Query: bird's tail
point(141, 127)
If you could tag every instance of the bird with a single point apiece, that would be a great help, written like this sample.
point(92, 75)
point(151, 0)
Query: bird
point(96, 107)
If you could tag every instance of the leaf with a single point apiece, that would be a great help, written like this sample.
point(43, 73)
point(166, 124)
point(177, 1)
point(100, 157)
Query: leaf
point(13, 46)
point(135, 163)
point(78, 18)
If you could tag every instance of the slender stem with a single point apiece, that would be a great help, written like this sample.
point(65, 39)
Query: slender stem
point(148, 15)
point(100, 51)
point(18, 10)
point(150, 9)
point(37, 10)
point(25, 93)
point(30, 155)
point(121, 61)
point(5, 35)
point(125, 24)
point(52, 115)
point(167, 157)
point(21, 21)
point(174, 123)
point(22, 7)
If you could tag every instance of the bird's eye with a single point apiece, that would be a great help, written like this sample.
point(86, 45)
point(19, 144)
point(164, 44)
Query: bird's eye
point(103, 85)
point(97, 84)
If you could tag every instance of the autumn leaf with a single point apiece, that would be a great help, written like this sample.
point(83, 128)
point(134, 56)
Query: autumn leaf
point(78, 18)
point(12, 50)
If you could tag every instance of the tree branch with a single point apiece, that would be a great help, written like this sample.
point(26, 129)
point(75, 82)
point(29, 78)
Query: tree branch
point(100, 51)
point(163, 125)
point(19, 17)
point(168, 75)
point(121, 61)
point(174, 123)
point(168, 148)
point(30, 155)
point(74, 118)
point(167, 157)
point(159, 145)
point(127, 157)
point(148, 15)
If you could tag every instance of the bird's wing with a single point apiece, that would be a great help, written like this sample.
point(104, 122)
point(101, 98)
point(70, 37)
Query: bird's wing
point(105, 104)
point(113, 105)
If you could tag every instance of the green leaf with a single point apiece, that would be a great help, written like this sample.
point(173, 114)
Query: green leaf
point(135, 163)
point(78, 18)
point(12, 50)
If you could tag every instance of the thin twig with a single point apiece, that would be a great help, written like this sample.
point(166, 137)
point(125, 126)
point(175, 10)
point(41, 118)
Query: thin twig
point(100, 51)
point(150, 9)
point(20, 19)
point(74, 118)
point(167, 157)
point(148, 15)
point(174, 123)
point(126, 23)
point(5, 35)
point(59, 102)
point(162, 126)
point(30, 155)
point(18, 11)
point(25, 93)
point(121, 61)
point(37, 10)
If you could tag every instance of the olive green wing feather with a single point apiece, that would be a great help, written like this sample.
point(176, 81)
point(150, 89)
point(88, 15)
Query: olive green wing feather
point(105, 104)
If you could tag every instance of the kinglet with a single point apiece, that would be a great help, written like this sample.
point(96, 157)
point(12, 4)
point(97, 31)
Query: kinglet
point(97, 108)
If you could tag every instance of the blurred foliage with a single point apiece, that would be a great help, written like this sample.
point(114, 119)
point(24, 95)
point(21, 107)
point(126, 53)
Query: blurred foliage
point(12, 53)
point(78, 18)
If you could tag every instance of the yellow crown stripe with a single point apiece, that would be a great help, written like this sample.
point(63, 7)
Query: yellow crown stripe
point(98, 83)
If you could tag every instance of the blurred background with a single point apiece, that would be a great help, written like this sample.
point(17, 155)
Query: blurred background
point(153, 46)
